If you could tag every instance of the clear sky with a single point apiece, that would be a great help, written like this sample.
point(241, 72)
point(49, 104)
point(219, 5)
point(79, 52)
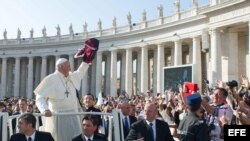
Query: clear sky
point(27, 14)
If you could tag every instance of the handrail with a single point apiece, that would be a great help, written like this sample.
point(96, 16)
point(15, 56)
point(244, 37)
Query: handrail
point(116, 122)
point(3, 118)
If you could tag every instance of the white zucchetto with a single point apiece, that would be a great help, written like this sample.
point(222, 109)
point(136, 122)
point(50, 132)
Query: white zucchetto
point(61, 61)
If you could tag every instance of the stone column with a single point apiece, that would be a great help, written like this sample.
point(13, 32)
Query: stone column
point(57, 57)
point(215, 69)
point(107, 74)
point(155, 84)
point(190, 49)
point(129, 72)
point(144, 69)
point(233, 74)
point(51, 65)
point(3, 80)
point(44, 67)
point(10, 79)
point(197, 61)
point(17, 77)
point(71, 61)
point(177, 53)
point(37, 72)
point(113, 73)
point(138, 71)
point(123, 71)
point(160, 65)
point(23, 77)
point(98, 73)
point(172, 56)
point(30, 78)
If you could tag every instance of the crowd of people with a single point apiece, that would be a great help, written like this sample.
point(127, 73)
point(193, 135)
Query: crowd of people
point(227, 103)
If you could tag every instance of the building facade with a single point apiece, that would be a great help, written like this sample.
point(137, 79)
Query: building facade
point(214, 38)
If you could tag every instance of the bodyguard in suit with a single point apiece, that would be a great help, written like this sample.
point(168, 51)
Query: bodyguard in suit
point(108, 107)
point(89, 126)
point(22, 103)
point(150, 128)
point(26, 125)
point(127, 119)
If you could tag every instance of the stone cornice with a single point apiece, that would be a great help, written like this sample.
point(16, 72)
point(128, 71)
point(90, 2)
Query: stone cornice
point(216, 7)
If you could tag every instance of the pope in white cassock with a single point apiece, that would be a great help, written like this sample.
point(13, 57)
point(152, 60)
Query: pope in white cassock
point(57, 94)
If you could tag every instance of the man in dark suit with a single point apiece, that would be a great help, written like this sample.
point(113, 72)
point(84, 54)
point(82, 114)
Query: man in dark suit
point(22, 103)
point(127, 119)
point(108, 107)
point(89, 126)
point(26, 125)
point(150, 128)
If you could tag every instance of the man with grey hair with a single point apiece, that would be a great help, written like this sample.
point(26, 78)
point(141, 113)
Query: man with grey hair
point(57, 93)
point(127, 119)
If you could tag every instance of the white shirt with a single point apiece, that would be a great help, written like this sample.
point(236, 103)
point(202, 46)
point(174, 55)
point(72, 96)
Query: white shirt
point(153, 126)
point(32, 136)
point(123, 119)
point(86, 138)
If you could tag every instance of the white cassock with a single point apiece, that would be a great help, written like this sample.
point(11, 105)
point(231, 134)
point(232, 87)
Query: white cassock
point(50, 94)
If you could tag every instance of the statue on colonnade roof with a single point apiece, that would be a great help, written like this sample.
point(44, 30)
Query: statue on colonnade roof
point(195, 3)
point(5, 34)
point(160, 11)
point(58, 30)
point(129, 18)
point(177, 6)
point(99, 25)
point(144, 15)
point(71, 31)
point(85, 27)
point(114, 22)
point(44, 32)
point(31, 33)
point(19, 33)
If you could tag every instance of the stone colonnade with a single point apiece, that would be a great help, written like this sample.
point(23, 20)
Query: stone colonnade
point(140, 67)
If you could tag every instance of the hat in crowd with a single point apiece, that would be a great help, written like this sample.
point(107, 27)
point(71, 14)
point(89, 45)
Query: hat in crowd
point(194, 101)
point(61, 61)
point(232, 83)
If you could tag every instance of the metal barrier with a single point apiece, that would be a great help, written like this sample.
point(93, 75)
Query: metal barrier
point(116, 123)
point(3, 128)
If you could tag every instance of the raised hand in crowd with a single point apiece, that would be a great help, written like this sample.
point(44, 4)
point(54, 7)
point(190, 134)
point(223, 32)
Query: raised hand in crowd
point(243, 118)
point(220, 84)
point(244, 82)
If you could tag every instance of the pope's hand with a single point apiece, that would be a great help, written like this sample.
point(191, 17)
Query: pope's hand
point(48, 113)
